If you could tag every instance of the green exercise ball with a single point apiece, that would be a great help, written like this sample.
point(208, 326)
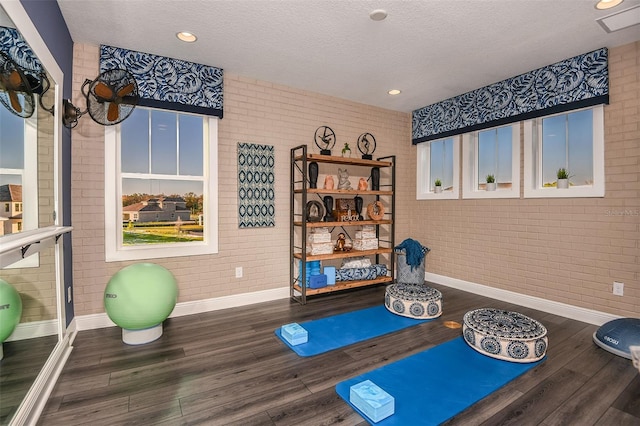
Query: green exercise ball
point(140, 296)
point(10, 309)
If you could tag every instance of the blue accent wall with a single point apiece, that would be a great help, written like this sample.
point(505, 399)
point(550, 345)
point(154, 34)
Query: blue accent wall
point(47, 18)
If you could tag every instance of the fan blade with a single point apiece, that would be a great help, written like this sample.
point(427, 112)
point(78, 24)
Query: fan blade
point(113, 113)
point(15, 102)
point(14, 79)
point(103, 91)
point(126, 90)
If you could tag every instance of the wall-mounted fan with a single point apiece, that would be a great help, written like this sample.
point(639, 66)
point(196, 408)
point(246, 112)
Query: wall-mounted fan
point(15, 90)
point(111, 98)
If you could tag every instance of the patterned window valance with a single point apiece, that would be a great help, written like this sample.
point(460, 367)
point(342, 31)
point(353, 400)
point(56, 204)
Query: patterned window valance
point(169, 83)
point(574, 83)
point(13, 44)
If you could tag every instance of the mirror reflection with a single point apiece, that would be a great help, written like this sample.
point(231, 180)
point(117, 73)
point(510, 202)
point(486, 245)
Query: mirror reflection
point(27, 185)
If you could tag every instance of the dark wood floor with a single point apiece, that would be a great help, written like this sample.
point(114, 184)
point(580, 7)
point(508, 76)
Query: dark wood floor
point(23, 360)
point(228, 368)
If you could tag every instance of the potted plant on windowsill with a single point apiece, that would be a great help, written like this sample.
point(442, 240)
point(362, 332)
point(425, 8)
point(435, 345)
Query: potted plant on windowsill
point(437, 186)
point(563, 178)
point(491, 183)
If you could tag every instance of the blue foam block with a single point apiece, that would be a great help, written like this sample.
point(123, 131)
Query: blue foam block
point(372, 400)
point(294, 333)
point(317, 281)
point(330, 272)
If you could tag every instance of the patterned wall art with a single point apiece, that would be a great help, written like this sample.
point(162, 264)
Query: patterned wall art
point(169, 83)
point(256, 193)
point(574, 83)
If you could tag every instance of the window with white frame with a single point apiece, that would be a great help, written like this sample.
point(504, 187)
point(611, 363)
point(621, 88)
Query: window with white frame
point(18, 160)
point(573, 141)
point(493, 152)
point(161, 186)
point(438, 160)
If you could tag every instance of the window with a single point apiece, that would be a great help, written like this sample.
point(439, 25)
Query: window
point(573, 141)
point(438, 160)
point(18, 159)
point(162, 179)
point(493, 152)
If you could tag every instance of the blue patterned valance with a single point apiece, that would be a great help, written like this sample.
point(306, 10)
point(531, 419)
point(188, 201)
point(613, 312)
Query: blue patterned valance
point(574, 83)
point(13, 44)
point(169, 83)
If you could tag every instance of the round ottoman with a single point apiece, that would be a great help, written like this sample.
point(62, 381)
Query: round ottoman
point(505, 335)
point(413, 300)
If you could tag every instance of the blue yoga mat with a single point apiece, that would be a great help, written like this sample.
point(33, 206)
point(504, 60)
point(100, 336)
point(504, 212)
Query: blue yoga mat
point(432, 386)
point(327, 334)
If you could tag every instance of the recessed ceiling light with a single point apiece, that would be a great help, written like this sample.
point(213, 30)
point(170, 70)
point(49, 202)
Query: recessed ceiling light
point(186, 36)
point(393, 92)
point(607, 4)
point(378, 15)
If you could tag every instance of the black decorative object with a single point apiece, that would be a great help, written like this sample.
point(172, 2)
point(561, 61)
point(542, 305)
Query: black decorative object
point(359, 203)
point(313, 175)
point(325, 139)
point(315, 211)
point(366, 145)
point(375, 179)
point(328, 207)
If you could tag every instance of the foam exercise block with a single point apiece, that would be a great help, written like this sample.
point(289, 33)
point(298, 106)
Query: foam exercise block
point(294, 333)
point(374, 402)
point(317, 281)
point(330, 272)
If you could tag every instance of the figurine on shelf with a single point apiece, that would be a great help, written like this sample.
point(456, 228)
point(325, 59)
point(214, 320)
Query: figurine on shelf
point(362, 184)
point(342, 240)
point(328, 182)
point(343, 179)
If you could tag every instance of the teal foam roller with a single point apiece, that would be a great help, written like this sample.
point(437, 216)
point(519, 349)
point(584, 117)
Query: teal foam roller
point(140, 296)
point(10, 309)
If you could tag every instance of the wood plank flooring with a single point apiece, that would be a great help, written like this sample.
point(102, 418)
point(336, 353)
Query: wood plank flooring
point(228, 368)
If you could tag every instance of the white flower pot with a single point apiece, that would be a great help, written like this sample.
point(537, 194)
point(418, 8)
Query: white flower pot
point(437, 189)
point(491, 186)
point(562, 183)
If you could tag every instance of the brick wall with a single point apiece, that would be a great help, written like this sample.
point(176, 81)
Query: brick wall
point(565, 250)
point(254, 111)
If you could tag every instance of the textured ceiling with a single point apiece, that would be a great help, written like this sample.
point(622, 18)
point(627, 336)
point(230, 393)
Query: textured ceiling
point(430, 49)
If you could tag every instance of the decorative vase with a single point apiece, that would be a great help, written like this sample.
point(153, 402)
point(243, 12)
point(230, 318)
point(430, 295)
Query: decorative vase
point(359, 203)
point(346, 153)
point(437, 189)
point(375, 178)
point(562, 184)
point(313, 174)
point(328, 208)
point(491, 186)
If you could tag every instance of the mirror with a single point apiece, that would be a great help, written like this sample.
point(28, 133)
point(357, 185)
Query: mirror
point(29, 200)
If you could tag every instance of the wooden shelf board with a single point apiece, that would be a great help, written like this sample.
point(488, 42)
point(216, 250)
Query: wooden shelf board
point(344, 254)
point(342, 285)
point(337, 224)
point(345, 160)
point(353, 192)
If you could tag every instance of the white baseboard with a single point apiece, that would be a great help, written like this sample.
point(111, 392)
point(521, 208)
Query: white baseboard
point(89, 322)
point(563, 309)
point(30, 330)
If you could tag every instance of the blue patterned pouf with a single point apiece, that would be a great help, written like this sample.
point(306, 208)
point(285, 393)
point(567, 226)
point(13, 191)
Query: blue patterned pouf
point(505, 335)
point(413, 300)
